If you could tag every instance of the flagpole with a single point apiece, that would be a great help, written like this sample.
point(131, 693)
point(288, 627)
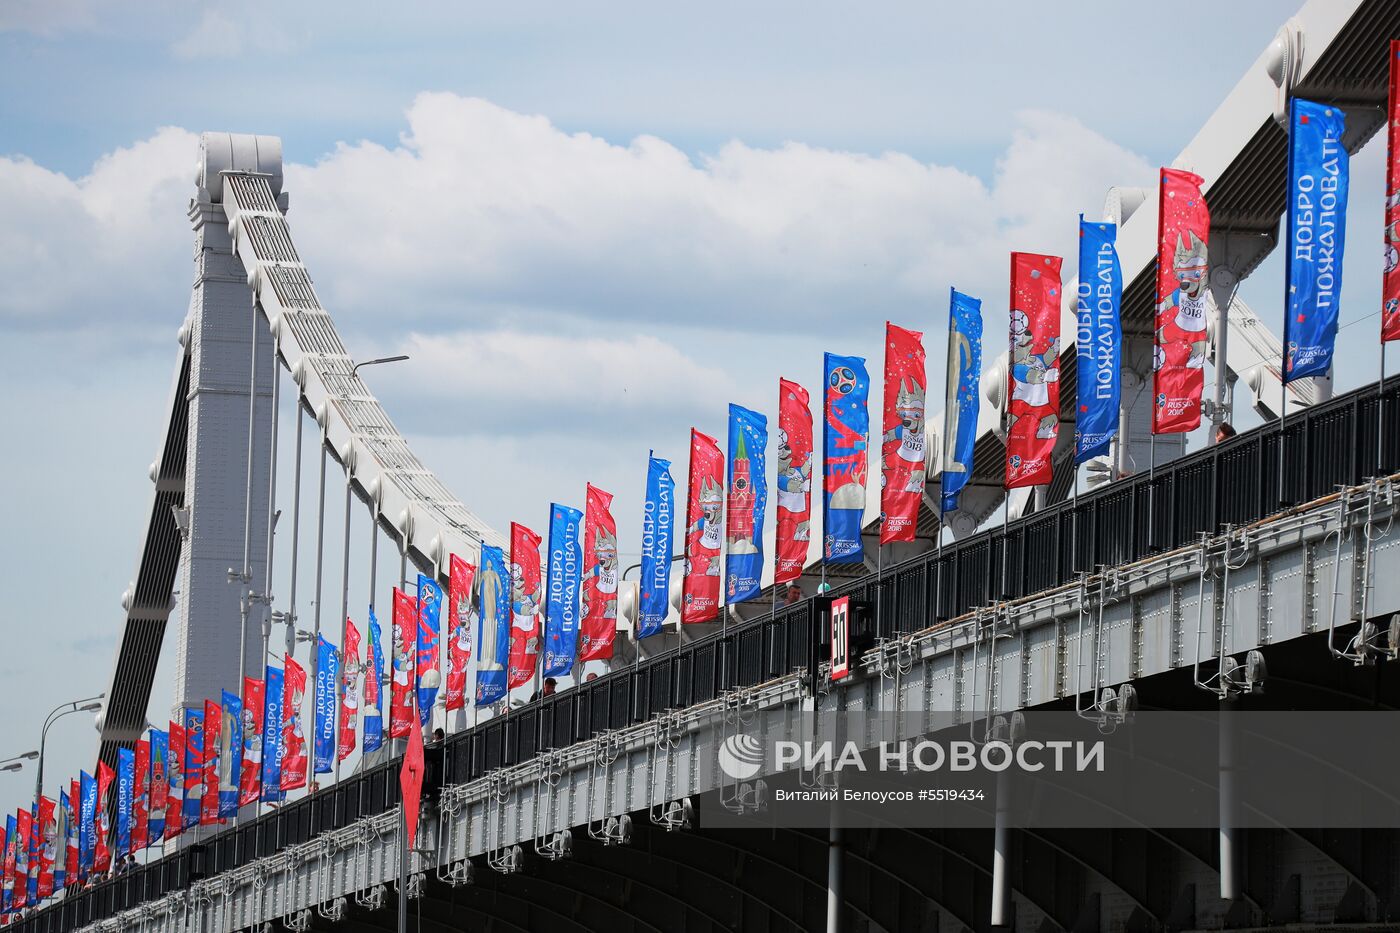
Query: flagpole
point(1380, 417)
point(1282, 419)
point(344, 616)
point(879, 584)
point(1151, 488)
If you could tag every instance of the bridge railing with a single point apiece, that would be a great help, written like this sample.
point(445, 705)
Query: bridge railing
point(1237, 482)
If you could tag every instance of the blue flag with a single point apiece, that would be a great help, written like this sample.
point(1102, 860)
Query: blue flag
point(11, 841)
point(658, 524)
point(429, 661)
point(960, 405)
point(160, 754)
point(846, 439)
point(327, 676)
point(493, 638)
point(374, 688)
point(565, 564)
point(193, 782)
point(1099, 340)
point(748, 499)
point(87, 832)
point(230, 755)
point(63, 832)
point(126, 782)
point(1318, 178)
point(272, 736)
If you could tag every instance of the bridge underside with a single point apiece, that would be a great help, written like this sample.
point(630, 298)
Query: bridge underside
point(897, 878)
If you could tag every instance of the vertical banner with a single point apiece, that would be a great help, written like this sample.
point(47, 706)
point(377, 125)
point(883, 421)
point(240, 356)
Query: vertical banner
point(405, 641)
point(213, 737)
point(747, 503)
point(428, 670)
point(231, 745)
point(1033, 393)
point(960, 405)
point(903, 446)
point(349, 693)
point(703, 528)
point(102, 856)
point(141, 797)
point(126, 781)
point(598, 623)
point(493, 640)
point(524, 604)
point(7, 892)
point(160, 785)
point(846, 437)
point(70, 802)
point(459, 647)
point(374, 680)
point(564, 580)
point(1098, 341)
point(794, 483)
point(1390, 279)
point(324, 705)
point(46, 832)
point(24, 824)
point(658, 524)
point(274, 689)
point(293, 735)
point(250, 774)
point(1318, 178)
point(174, 805)
point(192, 783)
point(1179, 355)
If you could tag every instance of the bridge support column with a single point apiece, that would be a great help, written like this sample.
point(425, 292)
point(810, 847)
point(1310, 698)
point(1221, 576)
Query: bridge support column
point(1229, 832)
point(1001, 852)
point(835, 896)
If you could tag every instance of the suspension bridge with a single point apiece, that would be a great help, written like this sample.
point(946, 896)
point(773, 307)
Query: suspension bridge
point(1194, 581)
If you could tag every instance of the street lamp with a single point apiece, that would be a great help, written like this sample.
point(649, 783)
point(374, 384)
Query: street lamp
point(88, 705)
point(383, 359)
point(17, 762)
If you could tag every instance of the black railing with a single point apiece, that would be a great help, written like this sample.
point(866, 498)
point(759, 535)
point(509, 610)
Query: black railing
point(1328, 446)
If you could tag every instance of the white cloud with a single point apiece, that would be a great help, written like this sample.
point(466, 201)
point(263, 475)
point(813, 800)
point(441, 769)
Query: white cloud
point(523, 383)
point(219, 36)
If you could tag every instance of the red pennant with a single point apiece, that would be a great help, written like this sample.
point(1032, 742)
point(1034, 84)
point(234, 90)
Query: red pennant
point(525, 599)
point(703, 530)
point(411, 780)
point(1033, 390)
point(1390, 283)
point(904, 444)
point(599, 626)
point(1179, 356)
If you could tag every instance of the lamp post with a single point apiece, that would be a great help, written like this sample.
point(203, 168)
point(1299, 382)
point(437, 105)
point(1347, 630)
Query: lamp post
point(375, 362)
point(17, 762)
point(88, 705)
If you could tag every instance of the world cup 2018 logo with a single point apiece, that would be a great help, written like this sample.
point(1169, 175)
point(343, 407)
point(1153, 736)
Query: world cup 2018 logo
point(740, 757)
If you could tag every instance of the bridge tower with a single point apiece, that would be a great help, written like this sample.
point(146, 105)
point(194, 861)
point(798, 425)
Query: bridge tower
point(230, 363)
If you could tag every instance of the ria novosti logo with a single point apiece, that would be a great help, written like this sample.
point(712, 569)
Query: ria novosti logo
point(740, 756)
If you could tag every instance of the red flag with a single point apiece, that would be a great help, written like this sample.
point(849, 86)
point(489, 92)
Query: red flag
point(350, 692)
point(794, 482)
point(293, 736)
point(1390, 287)
point(411, 780)
point(1033, 378)
point(905, 445)
point(24, 823)
point(405, 651)
point(1179, 356)
point(599, 625)
point(141, 797)
point(213, 730)
point(250, 779)
point(173, 822)
point(525, 598)
point(459, 648)
point(70, 862)
point(102, 860)
point(703, 526)
point(45, 846)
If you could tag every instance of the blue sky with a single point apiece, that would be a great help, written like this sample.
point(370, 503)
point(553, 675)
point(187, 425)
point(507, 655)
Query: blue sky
point(648, 211)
